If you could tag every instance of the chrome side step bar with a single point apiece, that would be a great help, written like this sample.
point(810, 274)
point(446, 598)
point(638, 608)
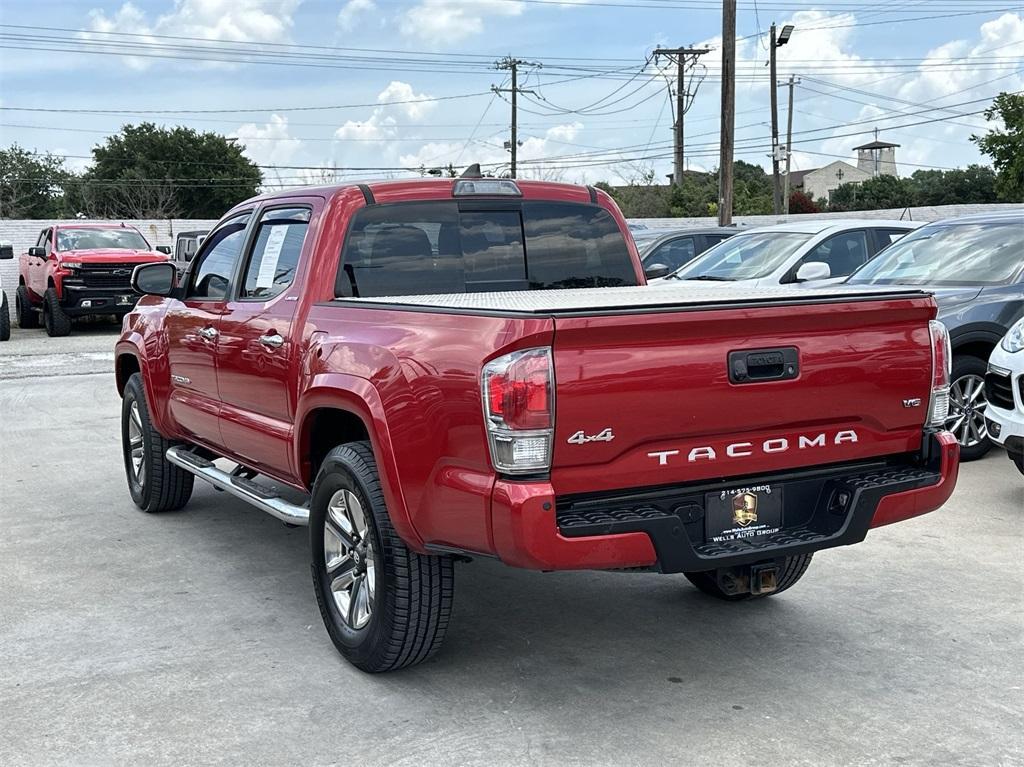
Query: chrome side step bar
point(251, 492)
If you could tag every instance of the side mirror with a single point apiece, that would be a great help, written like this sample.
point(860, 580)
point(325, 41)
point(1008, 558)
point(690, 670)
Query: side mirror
point(157, 279)
point(6, 252)
point(656, 271)
point(813, 270)
point(37, 252)
point(165, 249)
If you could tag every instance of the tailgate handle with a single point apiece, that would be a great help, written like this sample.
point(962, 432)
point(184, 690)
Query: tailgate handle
point(753, 365)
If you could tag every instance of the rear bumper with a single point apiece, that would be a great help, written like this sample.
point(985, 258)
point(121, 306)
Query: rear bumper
point(663, 528)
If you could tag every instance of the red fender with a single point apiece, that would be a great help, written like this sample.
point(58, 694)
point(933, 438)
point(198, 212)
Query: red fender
point(359, 397)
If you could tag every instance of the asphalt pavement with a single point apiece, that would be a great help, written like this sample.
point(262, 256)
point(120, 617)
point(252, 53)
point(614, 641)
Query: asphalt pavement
point(194, 637)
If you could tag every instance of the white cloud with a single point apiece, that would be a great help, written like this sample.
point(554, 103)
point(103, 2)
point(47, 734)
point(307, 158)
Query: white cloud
point(398, 99)
point(348, 16)
point(439, 154)
point(265, 21)
point(270, 143)
point(441, 22)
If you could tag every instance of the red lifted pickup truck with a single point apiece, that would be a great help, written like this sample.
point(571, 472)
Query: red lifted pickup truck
point(424, 371)
point(77, 270)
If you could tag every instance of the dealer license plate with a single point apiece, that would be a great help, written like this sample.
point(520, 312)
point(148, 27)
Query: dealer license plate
point(743, 512)
point(122, 300)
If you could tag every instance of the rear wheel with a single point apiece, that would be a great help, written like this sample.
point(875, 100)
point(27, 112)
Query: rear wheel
point(791, 570)
point(5, 319)
point(967, 406)
point(155, 483)
point(384, 606)
point(56, 322)
point(27, 316)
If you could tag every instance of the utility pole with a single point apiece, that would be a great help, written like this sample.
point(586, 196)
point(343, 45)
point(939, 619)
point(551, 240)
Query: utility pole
point(512, 64)
point(776, 192)
point(774, 44)
point(728, 112)
point(683, 58)
point(789, 142)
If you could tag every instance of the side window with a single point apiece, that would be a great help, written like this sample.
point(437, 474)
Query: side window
point(275, 253)
point(674, 253)
point(843, 252)
point(212, 273)
point(886, 237)
point(710, 240)
point(47, 241)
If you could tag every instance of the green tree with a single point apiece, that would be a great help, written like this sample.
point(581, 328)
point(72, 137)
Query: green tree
point(876, 193)
point(31, 184)
point(1006, 145)
point(974, 184)
point(146, 171)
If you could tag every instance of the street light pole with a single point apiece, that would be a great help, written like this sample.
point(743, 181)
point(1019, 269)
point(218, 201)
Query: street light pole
point(776, 42)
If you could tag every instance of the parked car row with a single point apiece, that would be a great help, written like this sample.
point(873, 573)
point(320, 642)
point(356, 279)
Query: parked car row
point(973, 265)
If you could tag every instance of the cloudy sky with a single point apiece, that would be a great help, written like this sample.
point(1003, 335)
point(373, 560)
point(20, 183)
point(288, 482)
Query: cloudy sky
point(322, 88)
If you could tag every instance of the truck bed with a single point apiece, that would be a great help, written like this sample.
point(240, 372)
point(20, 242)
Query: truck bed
point(585, 301)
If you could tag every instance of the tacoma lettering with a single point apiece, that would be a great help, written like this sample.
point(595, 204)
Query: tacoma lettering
point(769, 446)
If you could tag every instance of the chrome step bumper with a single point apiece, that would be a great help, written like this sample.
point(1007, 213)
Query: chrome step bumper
point(249, 491)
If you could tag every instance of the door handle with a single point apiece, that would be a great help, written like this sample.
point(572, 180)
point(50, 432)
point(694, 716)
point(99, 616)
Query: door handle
point(208, 333)
point(272, 341)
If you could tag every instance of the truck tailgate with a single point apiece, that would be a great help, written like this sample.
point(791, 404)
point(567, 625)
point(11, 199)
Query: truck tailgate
point(645, 398)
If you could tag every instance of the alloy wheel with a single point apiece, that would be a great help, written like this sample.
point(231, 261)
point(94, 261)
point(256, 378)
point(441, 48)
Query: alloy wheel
point(349, 558)
point(136, 447)
point(967, 406)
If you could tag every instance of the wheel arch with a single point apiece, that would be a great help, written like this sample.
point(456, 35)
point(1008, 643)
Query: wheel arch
point(338, 408)
point(976, 340)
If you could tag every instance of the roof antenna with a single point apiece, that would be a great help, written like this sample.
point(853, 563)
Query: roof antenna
point(473, 171)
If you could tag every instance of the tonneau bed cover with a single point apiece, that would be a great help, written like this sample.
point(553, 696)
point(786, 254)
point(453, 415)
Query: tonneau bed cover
point(578, 301)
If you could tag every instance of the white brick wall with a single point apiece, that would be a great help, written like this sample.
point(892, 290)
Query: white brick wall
point(22, 233)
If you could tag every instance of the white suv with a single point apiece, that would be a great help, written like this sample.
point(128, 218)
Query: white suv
point(800, 251)
point(1004, 388)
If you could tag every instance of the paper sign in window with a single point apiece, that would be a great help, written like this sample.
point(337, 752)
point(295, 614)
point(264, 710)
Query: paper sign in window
point(271, 255)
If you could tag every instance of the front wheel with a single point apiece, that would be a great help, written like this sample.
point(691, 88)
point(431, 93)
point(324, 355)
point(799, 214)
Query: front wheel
point(56, 322)
point(155, 483)
point(385, 607)
point(967, 406)
point(791, 570)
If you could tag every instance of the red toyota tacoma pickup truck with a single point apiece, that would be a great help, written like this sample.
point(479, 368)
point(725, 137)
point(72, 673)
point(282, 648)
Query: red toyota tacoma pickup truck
point(424, 371)
point(78, 270)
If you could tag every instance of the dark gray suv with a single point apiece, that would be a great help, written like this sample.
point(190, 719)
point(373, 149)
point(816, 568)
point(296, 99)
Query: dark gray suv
point(975, 267)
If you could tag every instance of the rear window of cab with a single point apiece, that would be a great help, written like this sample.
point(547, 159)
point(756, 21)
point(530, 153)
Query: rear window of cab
point(477, 246)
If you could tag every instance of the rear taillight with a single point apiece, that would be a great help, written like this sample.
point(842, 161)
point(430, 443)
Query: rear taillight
point(519, 410)
point(942, 365)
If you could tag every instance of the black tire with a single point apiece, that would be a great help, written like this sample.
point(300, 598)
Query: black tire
point(792, 570)
point(411, 593)
point(5, 319)
point(56, 322)
point(160, 486)
point(27, 316)
point(1018, 461)
point(965, 365)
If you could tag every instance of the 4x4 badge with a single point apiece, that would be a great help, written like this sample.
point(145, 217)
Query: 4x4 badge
point(579, 438)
